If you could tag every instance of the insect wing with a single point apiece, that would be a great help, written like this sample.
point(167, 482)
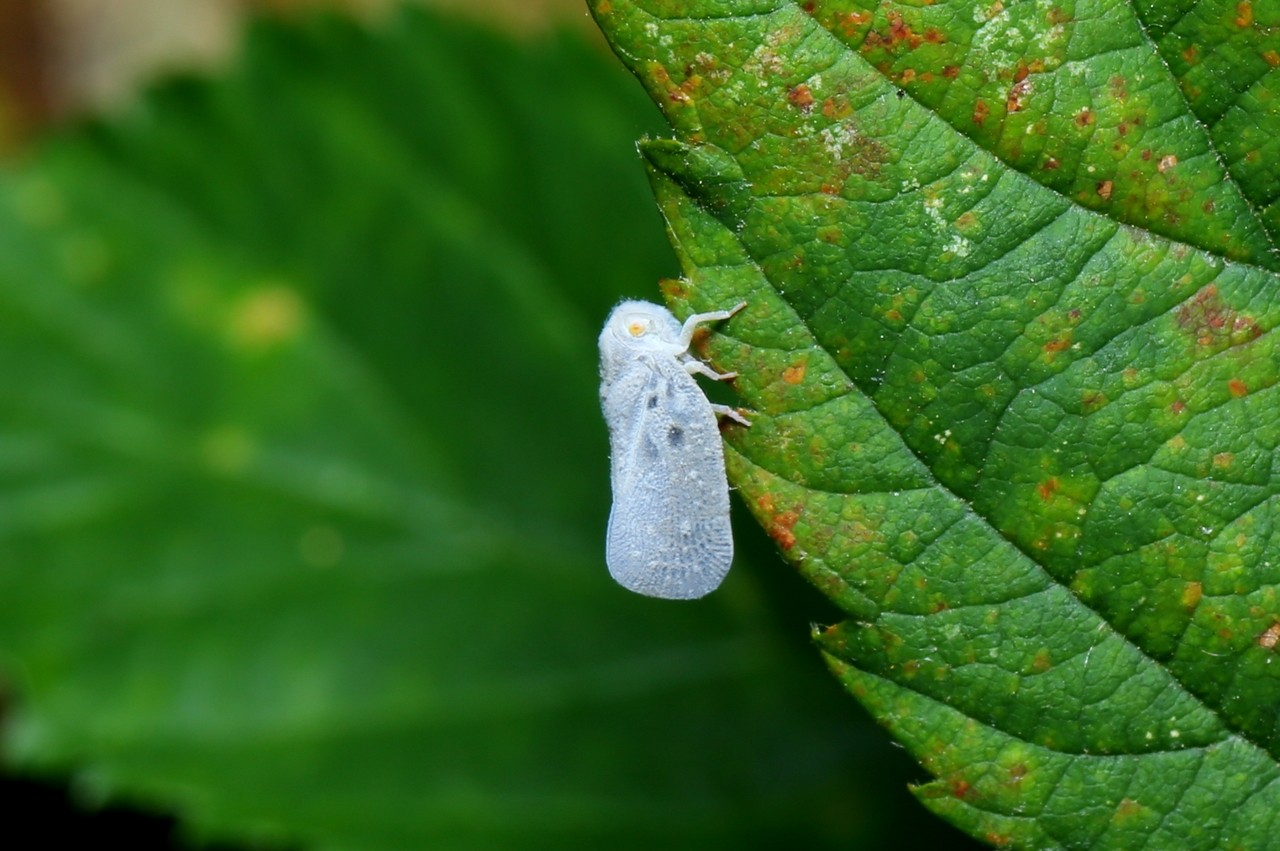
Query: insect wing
point(669, 533)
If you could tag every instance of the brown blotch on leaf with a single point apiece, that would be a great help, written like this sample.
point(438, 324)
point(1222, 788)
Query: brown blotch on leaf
point(980, 112)
point(836, 107)
point(1191, 595)
point(801, 98)
point(1272, 58)
point(1212, 321)
point(1244, 14)
point(780, 527)
point(853, 21)
point(1128, 807)
point(1119, 87)
point(1237, 388)
point(1270, 637)
point(1058, 344)
point(900, 32)
point(1058, 15)
point(1084, 117)
point(1017, 99)
point(1190, 54)
point(1167, 162)
point(673, 288)
point(951, 71)
point(1052, 164)
point(1104, 189)
point(795, 374)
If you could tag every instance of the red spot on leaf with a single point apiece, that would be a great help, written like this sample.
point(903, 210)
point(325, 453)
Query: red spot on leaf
point(951, 71)
point(1237, 388)
point(780, 528)
point(1052, 164)
point(980, 112)
point(1214, 322)
point(1048, 488)
point(900, 32)
point(1244, 14)
point(1085, 117)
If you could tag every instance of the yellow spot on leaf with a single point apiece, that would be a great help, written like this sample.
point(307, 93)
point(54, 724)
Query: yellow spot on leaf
point(227, 450)
point(266, 317)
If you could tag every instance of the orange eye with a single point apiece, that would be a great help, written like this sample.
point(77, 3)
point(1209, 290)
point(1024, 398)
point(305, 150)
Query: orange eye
point(636, 328)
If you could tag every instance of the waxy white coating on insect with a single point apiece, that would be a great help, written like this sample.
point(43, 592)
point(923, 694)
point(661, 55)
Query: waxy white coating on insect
point(669, 533)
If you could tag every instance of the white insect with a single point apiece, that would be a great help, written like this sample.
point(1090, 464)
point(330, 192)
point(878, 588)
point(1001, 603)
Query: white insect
point(669, 533)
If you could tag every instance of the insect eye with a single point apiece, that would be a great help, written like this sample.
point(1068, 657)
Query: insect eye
point(637, 329)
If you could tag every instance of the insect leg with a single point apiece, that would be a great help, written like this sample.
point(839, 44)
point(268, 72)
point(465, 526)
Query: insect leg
point(693, 366)
point(731, 413)
point(691, 324)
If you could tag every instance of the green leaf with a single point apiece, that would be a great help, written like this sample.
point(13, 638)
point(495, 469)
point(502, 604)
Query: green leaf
point(303, 482)
point(1011, 297)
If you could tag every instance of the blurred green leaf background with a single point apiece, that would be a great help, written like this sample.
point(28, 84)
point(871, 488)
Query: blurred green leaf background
point(303, 483)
